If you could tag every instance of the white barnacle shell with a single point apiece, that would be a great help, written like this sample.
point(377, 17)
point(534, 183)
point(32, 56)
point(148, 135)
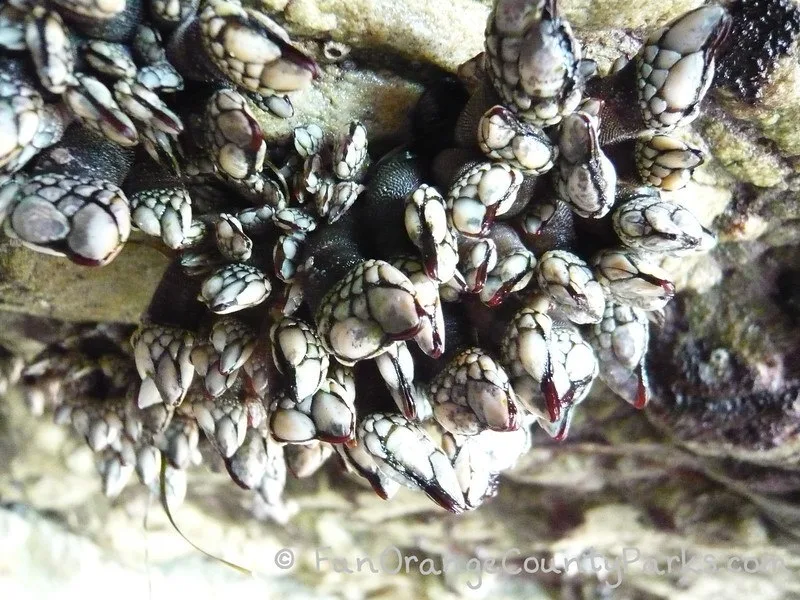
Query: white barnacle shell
point(513, 271)
point(406, 454)
point(666, 162)
point(232, 242)
point(503, 137)
point(223, 419)
point(477, 257)
point(587, 180)
point(631, 279)
point(144, 105)
point(163, 212)
point(253, 50)
point(94, 105)
point(472, 466)
point(646, 222)
point(299, 354)
point(569, 281)
point(21, 111)
point(303, 460)
point(396, 367)
point(234, 136)
point(484, 192)
point(430, 338)
point(50, 48)
point(429, 230)
point(350, 152)
point(86, 219)
point(373, 306)
point(525, 351)
point(308, 140)
point(620, 341)
point(326, 415)
point(473, 394)
point(250, 461)
point(234, 287)
point(676, 66)
point(574, 368)
point(162, 356)
point(109, 58)
point(234, 340)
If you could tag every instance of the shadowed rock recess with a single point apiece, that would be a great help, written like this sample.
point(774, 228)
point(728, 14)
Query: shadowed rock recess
point(699, 492)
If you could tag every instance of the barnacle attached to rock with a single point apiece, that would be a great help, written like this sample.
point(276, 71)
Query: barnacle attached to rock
point(127, 103)
point(415, 311)
point(676, 67)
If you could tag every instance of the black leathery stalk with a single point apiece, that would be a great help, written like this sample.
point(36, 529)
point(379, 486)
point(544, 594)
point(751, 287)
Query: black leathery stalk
point(329, 255)
point(85, 153)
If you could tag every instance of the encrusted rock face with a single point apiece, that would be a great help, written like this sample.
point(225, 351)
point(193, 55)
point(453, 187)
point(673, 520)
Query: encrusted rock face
point(708, 467)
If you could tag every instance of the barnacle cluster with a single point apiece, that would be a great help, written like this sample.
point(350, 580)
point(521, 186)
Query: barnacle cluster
point(414, 313)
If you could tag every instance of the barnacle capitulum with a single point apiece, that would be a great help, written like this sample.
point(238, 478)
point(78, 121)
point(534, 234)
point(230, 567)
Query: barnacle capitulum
point(503, 137)
point(472, 394)
point(567, 279)
point(179, 441)
point(51, 48)
point(396, 366)
point(587, 181)
point(235, 139)
point(350, 153)
point(94, 106)
point(373, 306)
point(431, 338)
point(574, 367)
point(534, 61)
point(676, 66)
point(428, 228)
point(20, 112)
point(328, 415)
point(407, 455)
point(514, 270)
point(357, 459)
point(252, 50)
point(645, 221)
point(472, 466)
point(299, 355)
point(480, 195)
point(232, 241)
point(248, 464)
point(164, 213)
point(235, 287)
point(224, 420)
point(628, 278)
point(525, 353)
point(477, 257)
point(163, 360)
point(548, 224)
point(620, 341)
point(109, 58)
point(234, 341)
point(303, 460)
point(207, 364)
point(80, 217)
point(666, 162)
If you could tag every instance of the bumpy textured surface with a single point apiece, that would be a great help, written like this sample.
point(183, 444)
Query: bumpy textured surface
point(767, 30)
